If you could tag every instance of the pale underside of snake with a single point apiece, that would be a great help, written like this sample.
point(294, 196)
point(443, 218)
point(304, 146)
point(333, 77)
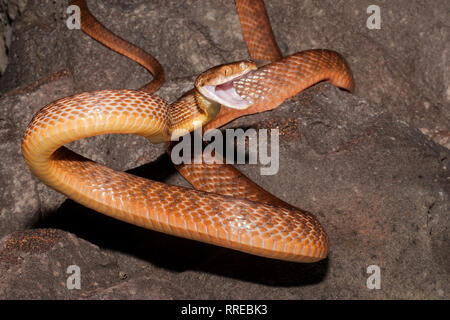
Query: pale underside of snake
point(227, 209)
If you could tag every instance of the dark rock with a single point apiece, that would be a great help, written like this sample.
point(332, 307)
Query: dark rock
point(9, 11)
point(359, 162)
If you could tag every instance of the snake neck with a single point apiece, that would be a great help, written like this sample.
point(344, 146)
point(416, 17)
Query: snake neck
point(189, 112)
point(209, 107)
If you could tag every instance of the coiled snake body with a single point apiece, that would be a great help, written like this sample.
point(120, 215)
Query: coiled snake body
point(227, 209)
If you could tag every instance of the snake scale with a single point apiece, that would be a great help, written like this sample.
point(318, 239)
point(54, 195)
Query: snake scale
point(225, 208)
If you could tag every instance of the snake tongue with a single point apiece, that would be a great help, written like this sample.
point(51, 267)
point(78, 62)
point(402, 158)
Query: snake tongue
point(226, 94)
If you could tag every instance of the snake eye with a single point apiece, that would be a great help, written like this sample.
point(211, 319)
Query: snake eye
point(227, 71)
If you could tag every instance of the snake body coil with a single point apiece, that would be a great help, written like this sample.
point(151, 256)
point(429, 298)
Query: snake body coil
point(227, 209)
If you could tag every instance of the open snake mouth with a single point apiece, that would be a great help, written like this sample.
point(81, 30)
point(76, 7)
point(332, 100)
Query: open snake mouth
point(226, 94)
point(217, 84)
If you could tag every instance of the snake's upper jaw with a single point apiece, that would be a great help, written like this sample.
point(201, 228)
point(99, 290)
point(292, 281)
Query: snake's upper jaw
point(217, 84)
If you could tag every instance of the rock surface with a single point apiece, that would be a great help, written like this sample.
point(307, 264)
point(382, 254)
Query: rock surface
point(360, 162)
point(9, 11)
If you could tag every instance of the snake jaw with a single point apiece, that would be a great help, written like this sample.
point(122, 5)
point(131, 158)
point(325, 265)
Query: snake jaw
point(217, 84)
point(226, 95)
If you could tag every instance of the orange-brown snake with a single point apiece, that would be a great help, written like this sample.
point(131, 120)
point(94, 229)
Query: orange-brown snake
point(227, 209)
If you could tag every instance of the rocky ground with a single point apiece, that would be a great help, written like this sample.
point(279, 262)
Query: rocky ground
point(372, 166)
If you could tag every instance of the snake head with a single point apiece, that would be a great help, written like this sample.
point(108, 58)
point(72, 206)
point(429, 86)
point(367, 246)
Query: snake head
point(216, 84)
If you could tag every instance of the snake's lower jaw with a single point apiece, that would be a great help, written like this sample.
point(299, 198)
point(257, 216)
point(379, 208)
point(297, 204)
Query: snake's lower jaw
point(226, 95)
